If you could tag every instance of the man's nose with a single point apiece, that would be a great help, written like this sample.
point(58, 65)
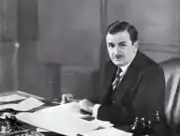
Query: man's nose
point(116, 50)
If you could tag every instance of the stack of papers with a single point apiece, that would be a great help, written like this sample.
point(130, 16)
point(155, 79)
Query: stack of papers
point(13, 97)
point(69, 109)
point(62, 124)
point(24, 105)
point(63, 119)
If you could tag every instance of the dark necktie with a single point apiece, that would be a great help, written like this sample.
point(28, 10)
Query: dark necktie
point(117, 79)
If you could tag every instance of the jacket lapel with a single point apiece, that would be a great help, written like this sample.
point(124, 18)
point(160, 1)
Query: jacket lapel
point(108, 83)
point(129, 78)
point(126, 83)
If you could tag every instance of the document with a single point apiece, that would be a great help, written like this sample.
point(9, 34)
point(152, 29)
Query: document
point(13, 97)
point(104, 124)
point(107, 132)
point(61, 124)
point(69, 108)
point(24, 105)
point(63, 119)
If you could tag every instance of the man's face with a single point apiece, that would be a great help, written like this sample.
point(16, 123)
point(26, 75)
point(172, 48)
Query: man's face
point(120, 48)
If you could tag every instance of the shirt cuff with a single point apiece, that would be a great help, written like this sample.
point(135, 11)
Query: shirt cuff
point(95, 110)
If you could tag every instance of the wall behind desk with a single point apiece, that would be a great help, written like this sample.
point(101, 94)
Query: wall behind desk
point(158, 22)
point(45, 45)
point(8, 36)
point(32, 73)
point(60, 45)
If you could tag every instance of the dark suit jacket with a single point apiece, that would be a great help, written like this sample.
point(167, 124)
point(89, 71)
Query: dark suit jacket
point(140, 93)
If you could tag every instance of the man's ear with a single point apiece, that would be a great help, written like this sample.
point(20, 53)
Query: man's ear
point(136, 45)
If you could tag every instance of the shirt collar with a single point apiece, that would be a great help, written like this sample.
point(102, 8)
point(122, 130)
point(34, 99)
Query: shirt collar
point(125, 67)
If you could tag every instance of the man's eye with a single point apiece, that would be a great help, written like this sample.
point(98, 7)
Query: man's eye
point(122, 45)
point(111, 45)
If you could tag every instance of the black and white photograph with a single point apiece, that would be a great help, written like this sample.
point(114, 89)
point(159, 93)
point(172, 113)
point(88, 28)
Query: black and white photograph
point(89, 68)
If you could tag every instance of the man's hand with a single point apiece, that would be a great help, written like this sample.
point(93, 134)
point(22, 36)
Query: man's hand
point(86, 105)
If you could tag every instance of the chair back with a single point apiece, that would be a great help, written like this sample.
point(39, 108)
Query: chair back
point(172, 95)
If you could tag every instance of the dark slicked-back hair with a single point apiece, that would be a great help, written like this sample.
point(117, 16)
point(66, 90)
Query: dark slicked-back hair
point(123, 26)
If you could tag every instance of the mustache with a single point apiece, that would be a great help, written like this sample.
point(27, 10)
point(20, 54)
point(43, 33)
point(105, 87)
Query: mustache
point(117, 56)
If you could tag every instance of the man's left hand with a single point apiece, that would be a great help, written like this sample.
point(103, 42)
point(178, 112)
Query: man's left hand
point(86, 105)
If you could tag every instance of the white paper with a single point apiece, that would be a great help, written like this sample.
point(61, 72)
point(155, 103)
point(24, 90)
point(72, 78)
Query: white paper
point(24, 105)
point(12, 97)
point(107, 132)
point(69, 108)
point(63, 119)
point(61, 124)
point(104, 124)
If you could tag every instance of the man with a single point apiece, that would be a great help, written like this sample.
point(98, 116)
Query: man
point(134, 85)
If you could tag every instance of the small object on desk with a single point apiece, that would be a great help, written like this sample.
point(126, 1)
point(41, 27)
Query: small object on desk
point(67, 98)
point(9, 126)
point(141, 127)
point(150, 127)
point(145, 126)
point(134, 128)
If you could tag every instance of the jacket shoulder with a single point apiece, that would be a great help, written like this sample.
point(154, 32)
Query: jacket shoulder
point(149, 65)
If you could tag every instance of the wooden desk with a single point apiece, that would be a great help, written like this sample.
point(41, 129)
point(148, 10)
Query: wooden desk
point(28, 130)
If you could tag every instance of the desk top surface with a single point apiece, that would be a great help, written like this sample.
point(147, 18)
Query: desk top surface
point(26, 129)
